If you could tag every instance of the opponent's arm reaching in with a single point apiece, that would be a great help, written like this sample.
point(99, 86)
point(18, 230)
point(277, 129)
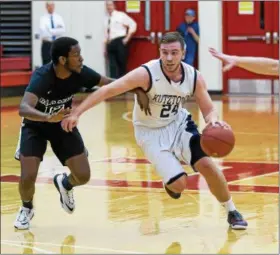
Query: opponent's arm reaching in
point(259, 65)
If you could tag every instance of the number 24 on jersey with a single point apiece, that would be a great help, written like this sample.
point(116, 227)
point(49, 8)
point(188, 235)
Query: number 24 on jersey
point(168, 109)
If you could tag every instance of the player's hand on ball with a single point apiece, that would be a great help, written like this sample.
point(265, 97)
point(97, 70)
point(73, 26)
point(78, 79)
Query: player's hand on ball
point(218, 123)
point(58, 116)
point(69, 122)
point(224, 124)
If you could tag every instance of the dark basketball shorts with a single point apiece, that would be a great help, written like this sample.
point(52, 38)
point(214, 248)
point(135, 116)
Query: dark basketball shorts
point(33, 140)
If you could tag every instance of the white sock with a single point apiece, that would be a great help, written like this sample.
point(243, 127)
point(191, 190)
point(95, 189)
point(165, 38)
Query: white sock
point(229, 205)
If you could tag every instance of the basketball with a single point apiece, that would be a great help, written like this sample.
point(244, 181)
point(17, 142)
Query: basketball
point(217, 141)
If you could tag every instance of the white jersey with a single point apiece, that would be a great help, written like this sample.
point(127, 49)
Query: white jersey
point(166, 97)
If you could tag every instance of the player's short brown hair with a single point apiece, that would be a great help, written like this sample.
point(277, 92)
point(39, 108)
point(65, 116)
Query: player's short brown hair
point(171, 37)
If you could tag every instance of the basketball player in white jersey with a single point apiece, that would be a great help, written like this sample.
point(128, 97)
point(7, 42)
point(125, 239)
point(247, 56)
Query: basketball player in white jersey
point(169, 135)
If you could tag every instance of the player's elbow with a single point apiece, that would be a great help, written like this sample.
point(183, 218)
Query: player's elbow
point(22, 110)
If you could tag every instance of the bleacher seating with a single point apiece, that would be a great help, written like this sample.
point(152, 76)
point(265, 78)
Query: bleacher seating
point(14, 71)
point(16, 44)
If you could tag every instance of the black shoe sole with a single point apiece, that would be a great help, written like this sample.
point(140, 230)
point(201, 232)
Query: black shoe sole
point(238, 227)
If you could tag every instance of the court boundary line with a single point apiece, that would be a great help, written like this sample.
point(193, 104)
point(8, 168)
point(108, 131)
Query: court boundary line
point(7, 242)
point(73, 246)
point(251, 177)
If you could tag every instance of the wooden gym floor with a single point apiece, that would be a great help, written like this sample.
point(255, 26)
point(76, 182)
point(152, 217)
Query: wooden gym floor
point(123, 209)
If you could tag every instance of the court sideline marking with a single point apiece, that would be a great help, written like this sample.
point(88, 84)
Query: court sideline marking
point(15, 243)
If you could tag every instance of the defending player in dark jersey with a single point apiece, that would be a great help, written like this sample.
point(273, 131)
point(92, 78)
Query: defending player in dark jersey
point(46, 101)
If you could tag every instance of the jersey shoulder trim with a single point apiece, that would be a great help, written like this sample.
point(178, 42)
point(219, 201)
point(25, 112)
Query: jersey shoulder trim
point(150, 76)
point(194, 80)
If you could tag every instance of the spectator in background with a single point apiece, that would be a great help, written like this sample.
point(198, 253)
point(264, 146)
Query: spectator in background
point(119, 28)
point(190, 32)
point(51, 27)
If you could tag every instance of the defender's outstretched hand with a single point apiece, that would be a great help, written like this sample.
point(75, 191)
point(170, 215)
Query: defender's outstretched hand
point(228, 60)
point(259, 65)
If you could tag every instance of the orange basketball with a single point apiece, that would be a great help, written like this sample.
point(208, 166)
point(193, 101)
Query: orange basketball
point(217, 141)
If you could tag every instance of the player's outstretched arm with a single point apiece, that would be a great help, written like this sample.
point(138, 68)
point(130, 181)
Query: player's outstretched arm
point(259, 65)
point(142, 97)
point(134, 79)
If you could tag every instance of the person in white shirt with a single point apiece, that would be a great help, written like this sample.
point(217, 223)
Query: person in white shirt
point(51, 27)
point(259, 65)
point(119, 28)
point(169, 135)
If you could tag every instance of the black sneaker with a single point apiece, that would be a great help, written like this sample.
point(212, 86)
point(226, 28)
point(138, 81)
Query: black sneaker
point(171, 193)
point(236, 220)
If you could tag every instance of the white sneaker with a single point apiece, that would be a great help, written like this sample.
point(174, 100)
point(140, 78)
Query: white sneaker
point(66, 196)
point(24, 217)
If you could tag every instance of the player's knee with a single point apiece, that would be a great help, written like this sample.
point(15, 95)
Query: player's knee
point(27, 179)
point(178, 185)
point(206, 166)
